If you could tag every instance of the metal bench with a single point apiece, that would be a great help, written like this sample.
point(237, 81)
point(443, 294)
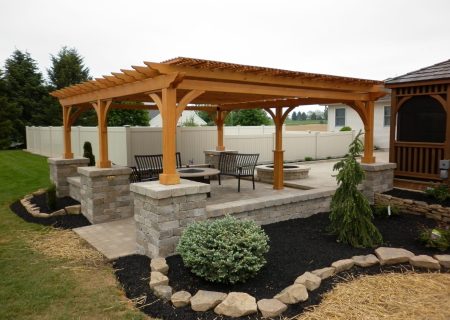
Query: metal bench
point(149, 166)
point(238, 165)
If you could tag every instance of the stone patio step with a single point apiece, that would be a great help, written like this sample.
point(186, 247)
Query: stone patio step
point(113, 239)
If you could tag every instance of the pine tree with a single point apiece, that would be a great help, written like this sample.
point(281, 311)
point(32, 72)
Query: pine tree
point(351, 215)
point(294, 116)
point(67, 69)
point(9, 118)
point(25, 88)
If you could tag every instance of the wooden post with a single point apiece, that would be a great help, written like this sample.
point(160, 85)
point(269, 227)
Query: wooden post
point(393, 125)
point(219, 120)
point(447, 132)
point(101, 108)
point(368, 133)
point(278, 154)
point(68, 154)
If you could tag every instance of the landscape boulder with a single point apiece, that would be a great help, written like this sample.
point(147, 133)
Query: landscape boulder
point(158, 279)
point(393, 255)
point(309, 280)
point(444, 260)
point(365, 261)
point(159, 265)
point(164, 292)
point(424, 261)
point(271, 308)
point(293, 294)
point(343, 265)
point(180, 299)
point(237, 304)
point(324, 273)
point(205, 300)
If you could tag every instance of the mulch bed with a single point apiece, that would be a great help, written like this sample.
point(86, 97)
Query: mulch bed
point(417, 196)
point(296, 246)
point(69, 221)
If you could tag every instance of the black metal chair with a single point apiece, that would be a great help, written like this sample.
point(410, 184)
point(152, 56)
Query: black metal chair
point(238, 165)
point(149, 166)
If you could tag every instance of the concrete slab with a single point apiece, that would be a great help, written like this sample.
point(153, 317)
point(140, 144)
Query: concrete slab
point(113, 239)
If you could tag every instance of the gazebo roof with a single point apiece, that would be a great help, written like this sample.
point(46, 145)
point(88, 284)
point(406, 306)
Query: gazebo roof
point(223, 85)
point(438, 71)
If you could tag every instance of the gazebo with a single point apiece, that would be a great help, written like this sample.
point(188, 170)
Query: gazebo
point(420, 130)
point(218, 88)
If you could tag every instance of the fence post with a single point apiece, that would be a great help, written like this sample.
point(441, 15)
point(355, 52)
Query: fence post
point(128, 145)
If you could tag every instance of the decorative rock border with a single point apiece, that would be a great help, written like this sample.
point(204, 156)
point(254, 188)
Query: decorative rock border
point(35, 210)
point(238, 304)
point(434, 211)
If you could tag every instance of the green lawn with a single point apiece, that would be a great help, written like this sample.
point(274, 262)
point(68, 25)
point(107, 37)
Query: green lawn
point(36, 286)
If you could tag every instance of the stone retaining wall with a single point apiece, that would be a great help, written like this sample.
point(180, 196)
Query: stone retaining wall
point(434, 211)
point(74, 188)
point(61, 169)
point(379, 177)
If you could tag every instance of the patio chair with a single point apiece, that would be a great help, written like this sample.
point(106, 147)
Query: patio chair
point(149, 166)
point(238, 165)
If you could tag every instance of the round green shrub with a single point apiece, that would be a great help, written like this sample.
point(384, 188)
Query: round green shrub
point(346, 128)
point(225, 250)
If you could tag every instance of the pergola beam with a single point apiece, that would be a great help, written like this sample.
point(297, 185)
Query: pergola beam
point(270, 90)
point(163, 68)
point(147, 85)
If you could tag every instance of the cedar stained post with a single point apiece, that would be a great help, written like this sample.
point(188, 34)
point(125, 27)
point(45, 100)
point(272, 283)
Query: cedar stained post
point(219, 120)
point(368, 133)
point(102, 108)
point(68, 154)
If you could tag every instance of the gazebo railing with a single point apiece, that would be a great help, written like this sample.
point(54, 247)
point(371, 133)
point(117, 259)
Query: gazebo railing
point(418, 159)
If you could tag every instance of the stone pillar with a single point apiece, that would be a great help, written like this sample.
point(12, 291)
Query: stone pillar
point(105, 193)
point(379, 178)
point(61, 169)
point(212, 157)
point(163, 211)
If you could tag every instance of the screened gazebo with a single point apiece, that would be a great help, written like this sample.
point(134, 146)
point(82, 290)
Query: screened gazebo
point(217, 88)
point(420, 125)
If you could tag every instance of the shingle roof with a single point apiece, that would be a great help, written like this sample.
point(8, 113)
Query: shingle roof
point(437, 71)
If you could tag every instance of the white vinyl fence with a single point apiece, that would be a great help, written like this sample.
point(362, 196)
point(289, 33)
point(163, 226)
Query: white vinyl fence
point(125, 142)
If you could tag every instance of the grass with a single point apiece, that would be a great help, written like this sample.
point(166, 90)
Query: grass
point(290, 122)
point(39, 285)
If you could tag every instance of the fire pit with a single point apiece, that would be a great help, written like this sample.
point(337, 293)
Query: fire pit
point(290, 172)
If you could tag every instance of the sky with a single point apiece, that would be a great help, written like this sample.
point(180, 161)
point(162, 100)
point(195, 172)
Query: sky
point(374, 39)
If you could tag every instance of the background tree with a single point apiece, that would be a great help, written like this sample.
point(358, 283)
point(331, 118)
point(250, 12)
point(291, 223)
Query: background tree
point(351, 215)
point(325, 113)
point(248, 117)
point(10, 116)
point(26, 90)
point(122, 117)
point(205, 116)
point(294, 116)
point(67, 69)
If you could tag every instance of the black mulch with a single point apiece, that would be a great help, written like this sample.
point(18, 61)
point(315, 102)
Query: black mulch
point(417, 196)
point(296, 246)
point(69, 221)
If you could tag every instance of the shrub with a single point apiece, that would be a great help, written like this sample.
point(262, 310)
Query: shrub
point(51, 197)
point(309, 159)
point(439, 192)
point(381, 211)
point(351, 216)
point(346, 128)
point(87, 153)
point(225, 250)
point(435, 238)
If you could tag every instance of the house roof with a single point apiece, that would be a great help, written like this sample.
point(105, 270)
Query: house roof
point(438, 71)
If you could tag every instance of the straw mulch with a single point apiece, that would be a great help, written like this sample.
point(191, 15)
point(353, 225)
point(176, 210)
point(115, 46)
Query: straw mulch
point(66, 245)
point(391, 296)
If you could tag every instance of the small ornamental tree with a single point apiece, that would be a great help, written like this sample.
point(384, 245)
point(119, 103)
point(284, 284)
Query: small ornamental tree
point(351, 216)
point(87, 153)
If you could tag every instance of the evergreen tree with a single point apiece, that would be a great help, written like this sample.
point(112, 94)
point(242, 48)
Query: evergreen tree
point(248, 117)
point(67, 69)
point(10, 116)
point(205, 116)
point(351, 215)
point(294, 116)
point(26, 90)
point(303, 116)
point(325, 113)
point(313, 116)
point(118, 118)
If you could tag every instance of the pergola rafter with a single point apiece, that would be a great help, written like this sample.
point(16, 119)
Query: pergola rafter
point(217, 88)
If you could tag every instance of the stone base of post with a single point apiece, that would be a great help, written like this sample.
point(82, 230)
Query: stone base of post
point(61, 169)
point(379, 178)
point(105, 193)
point(163, 211)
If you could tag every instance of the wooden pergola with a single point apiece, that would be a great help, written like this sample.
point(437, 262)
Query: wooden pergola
point(217, 88)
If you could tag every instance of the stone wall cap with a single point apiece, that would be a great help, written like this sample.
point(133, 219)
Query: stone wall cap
point(97, 172)
point(378, 166)
point(61, 161)
point(155, 190)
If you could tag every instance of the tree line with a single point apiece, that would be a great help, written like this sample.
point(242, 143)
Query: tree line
point(310, 115)
point(25, 98)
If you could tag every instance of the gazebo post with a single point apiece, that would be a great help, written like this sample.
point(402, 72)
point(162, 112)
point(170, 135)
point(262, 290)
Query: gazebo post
point(278, 154)
point(102, 108)
point(68, 154)
point(219, 120)
point(368, 133)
